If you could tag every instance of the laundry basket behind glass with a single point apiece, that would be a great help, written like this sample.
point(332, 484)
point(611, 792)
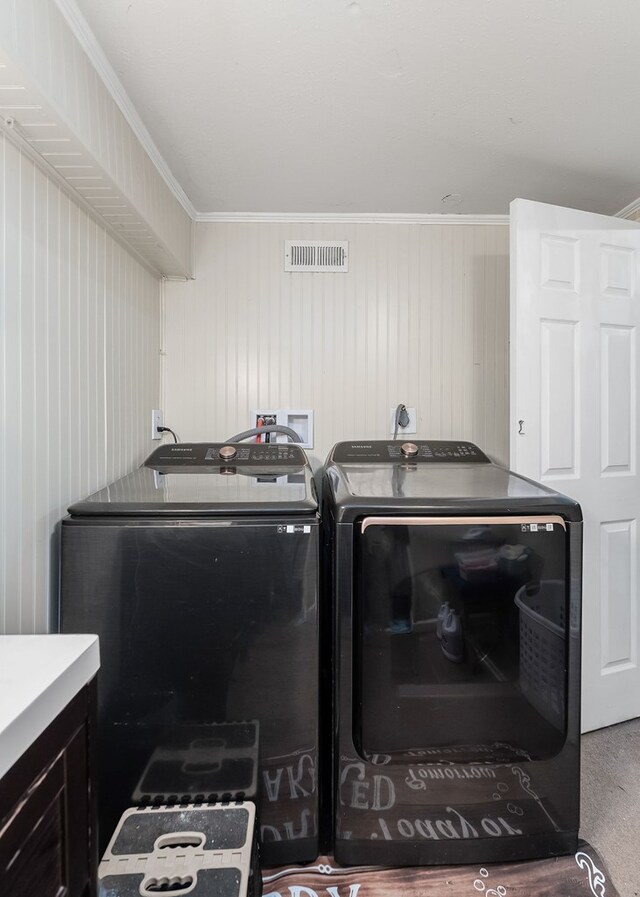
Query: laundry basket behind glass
point(543, 648)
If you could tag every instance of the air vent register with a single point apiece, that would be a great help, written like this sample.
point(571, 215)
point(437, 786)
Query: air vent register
point(316, 255)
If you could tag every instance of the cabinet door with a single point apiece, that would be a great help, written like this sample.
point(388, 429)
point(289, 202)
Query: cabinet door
point(46, 830)
point(32, 854)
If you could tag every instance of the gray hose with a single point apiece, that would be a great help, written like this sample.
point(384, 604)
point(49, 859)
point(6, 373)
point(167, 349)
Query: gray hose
point(270, 428)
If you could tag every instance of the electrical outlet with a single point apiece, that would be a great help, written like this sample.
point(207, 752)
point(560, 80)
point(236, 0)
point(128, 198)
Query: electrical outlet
point(157, 420)
point(412, 426)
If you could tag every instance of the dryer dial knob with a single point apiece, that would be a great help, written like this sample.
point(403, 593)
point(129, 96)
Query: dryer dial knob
point(409, 449)
point(228, 452)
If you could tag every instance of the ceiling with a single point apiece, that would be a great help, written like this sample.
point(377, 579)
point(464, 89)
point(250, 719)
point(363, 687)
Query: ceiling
point(384, 106)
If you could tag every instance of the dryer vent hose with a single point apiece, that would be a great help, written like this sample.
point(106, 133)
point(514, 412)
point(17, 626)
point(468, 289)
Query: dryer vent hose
point(270, 428)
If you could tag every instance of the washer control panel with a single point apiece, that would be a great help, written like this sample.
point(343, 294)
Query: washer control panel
point(432, 451)
point(224, 454)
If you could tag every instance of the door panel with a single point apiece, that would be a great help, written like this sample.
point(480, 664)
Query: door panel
point(559, 353)
point(618, 595)
point(575, 311)
point(618, 408)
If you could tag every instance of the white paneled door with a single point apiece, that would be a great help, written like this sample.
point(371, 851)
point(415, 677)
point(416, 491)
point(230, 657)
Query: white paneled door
point(575, 320)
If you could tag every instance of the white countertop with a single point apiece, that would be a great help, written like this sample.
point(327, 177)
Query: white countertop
point(39, 675)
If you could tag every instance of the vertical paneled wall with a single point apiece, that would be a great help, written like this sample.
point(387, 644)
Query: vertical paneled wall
point(421, 318)
point(79, 375)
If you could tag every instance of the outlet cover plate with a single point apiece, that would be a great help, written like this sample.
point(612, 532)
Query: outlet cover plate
point(412, 426)
point(157, 420)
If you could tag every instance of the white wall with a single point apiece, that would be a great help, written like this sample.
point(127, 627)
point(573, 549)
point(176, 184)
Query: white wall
point(79, 374)
point(421, 317)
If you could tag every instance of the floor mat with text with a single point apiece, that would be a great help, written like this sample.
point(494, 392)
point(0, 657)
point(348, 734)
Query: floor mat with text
point(576, 875)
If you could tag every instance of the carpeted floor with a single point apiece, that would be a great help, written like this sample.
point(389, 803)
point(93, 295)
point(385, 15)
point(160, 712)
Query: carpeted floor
point(610, 814)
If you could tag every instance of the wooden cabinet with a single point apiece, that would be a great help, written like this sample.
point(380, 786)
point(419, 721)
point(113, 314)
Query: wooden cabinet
point(48, 842)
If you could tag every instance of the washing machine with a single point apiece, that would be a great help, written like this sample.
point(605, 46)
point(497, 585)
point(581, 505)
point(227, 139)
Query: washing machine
point(199, 572)
point(456, 591)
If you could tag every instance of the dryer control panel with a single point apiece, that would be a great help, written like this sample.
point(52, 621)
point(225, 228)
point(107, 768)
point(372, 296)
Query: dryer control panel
point(218, 455)
point(420, 451)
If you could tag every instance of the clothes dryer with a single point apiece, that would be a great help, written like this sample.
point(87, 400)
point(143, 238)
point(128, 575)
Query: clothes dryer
point(456, 657)
point(199, 572)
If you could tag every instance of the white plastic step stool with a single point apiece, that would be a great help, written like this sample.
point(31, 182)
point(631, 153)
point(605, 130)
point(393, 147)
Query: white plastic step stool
point(206, 850)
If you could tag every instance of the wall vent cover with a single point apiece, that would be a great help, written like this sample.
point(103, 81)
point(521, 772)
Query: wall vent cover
point(316, 255)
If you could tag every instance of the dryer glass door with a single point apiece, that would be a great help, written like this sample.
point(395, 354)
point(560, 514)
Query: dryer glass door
point(461, 637)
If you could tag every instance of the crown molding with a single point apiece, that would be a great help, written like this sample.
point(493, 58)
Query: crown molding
point(631, 211)
point(87, 40)
point(345, 218)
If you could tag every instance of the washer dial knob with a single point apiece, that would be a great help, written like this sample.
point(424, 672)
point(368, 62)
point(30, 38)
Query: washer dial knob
point(409, 449)
point(228, 452)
